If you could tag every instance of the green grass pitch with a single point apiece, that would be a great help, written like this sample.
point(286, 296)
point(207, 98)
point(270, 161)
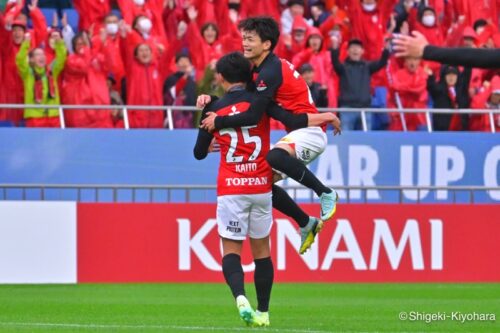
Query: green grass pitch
point(295, 308)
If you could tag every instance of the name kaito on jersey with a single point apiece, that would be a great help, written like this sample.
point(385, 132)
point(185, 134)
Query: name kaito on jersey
point(246, 167)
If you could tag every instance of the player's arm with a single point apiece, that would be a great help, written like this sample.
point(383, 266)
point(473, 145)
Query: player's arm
point(296, 121)
point(201, 148)
point(268, 81)
point(249, 118)
point(482, 58)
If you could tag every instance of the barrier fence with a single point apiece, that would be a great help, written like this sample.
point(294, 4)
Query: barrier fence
point(202, 193)
point(169, 109)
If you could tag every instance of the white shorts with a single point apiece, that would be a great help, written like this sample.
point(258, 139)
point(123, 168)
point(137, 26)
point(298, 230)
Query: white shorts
point(309, 143)
point(244, 214)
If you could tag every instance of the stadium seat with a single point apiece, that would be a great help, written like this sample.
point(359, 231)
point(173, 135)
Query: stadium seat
point(73, 18)
point(48, 13)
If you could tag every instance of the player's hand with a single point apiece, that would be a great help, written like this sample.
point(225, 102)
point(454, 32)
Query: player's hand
point(209, 122)
point(214, 146)
point(202, 101)
point(410, 46)
point(337, 129)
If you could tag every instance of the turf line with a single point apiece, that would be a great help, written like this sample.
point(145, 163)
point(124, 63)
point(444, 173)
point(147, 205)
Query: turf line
point(135, 327)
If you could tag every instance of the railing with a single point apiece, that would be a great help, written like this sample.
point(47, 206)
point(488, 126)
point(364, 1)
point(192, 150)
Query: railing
point(185, 193)
point(170, 108)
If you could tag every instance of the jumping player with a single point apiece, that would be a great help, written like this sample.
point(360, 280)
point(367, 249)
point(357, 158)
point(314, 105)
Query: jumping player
point(277, 81)
point(243, 188)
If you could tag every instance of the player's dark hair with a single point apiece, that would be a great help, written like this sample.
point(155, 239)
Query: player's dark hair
point(264, 26)
point(234, 68)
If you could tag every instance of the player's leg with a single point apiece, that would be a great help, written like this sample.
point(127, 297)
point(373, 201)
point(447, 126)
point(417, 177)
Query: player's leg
point(232, 227)
point(259, 229)
point(291, 155)
point(308, 224)
point(263, 279)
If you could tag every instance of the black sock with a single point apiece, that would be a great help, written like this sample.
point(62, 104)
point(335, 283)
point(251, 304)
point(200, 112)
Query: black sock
point(263, 278)
point(279, 159)
point(285, 204)
point(233, 273)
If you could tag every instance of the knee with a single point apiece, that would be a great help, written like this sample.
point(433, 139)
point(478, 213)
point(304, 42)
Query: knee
point(275, 155)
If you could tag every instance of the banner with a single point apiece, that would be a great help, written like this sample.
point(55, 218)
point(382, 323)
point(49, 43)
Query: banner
point(363, 243)
point(37, 242)
point(159, 157)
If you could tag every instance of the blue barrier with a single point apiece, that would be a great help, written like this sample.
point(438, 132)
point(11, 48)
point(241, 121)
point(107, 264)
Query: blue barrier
point(155, 157)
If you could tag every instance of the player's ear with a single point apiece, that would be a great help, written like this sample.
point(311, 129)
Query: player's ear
point(267, 45)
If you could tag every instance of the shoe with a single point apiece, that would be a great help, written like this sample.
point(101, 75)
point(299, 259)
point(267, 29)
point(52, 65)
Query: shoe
point(261, 319)
point(308, 234)
point(247, 314)
point(328, 203)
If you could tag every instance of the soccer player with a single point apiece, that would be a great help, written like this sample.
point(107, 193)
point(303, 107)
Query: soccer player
point(278, 81)
point(243, 188)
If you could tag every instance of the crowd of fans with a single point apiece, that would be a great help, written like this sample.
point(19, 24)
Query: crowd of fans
point(163, 52)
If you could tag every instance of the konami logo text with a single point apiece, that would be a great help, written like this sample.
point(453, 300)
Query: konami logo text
point(344, 244)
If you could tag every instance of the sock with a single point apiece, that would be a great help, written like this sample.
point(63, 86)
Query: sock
point(280, 160)
point(233, 273)
point(263, 279)
point(285, 204)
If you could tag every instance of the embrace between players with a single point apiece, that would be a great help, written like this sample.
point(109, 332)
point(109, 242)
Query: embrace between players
point(239, 123)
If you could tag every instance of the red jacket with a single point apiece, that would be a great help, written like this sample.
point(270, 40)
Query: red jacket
point(481, 122)
point(285, 52)
point(152, 9)
point(323, 69)
point(476, 9)
point(260, 7)
point(412, 91)
point(91, 12)
point(84, 82)
point(145, 87)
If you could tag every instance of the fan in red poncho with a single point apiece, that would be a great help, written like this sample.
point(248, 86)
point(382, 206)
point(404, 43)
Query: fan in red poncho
point(150, 9)
point(488, 98)
point(319, 58)
point(12, 33)
point(409, 91)
point(84, 83)
point(289, 45)
point(474, 10)
point(206, 44)
point(91, 12)
point(145, 77)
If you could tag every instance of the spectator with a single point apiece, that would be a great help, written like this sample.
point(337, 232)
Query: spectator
point(451, 92)
point(84, 83)
point(289, 45)
point(409, 86)
point(319, 13)
point(487, 98)
point(180, 89)
point(369, 20)
point(319, 58)
point(354, 75)
point(144, 87)
point(318, 91)
point(91, 13)
point(40, 82)
point(151, 13)
point(112, 45)
point(295, 9)
point(12, 33)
